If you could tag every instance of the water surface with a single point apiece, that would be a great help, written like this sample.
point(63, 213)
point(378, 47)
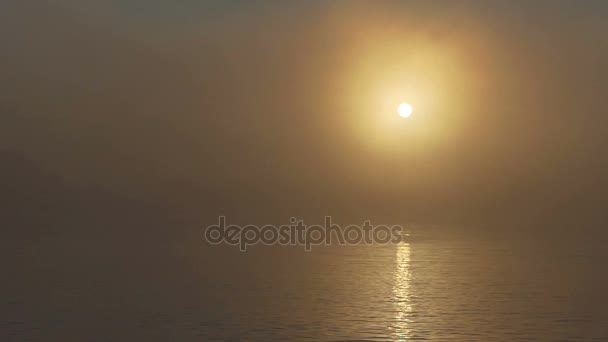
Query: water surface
point(460, 286)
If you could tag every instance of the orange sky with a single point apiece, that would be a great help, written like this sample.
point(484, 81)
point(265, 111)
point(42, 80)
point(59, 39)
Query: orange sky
point(290, 100)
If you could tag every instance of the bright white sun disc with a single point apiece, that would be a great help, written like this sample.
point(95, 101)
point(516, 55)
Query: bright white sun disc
point(405, 110)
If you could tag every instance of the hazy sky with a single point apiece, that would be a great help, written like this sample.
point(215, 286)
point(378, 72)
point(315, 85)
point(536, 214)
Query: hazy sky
point(277, 106)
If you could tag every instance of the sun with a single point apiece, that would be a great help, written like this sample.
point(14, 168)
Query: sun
point(405, 110)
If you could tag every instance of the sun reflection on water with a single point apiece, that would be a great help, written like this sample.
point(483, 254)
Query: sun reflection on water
point(402, 294)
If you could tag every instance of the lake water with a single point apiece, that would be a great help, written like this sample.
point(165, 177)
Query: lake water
point(456, 286)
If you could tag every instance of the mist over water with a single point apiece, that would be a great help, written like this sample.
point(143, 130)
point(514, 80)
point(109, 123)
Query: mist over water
point(127, 127)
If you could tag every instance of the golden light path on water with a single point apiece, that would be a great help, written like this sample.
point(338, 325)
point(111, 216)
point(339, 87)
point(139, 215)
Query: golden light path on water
point(402, 293)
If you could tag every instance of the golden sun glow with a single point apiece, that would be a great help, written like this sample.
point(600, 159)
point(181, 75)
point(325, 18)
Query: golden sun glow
point(406, 99)
point(405, 110)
